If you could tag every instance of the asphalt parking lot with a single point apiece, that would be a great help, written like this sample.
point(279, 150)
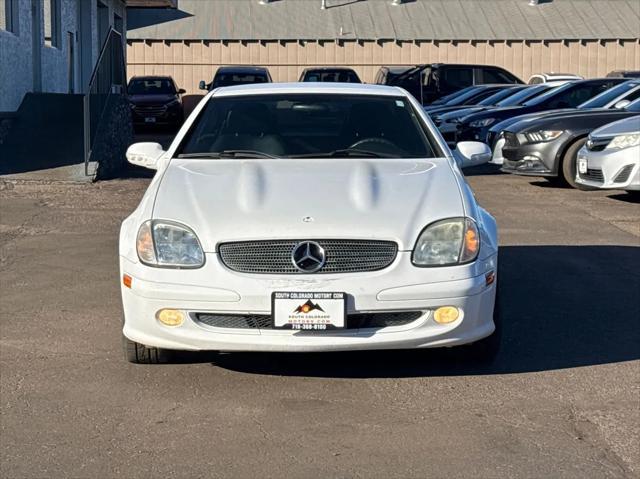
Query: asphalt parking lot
point(561, 401)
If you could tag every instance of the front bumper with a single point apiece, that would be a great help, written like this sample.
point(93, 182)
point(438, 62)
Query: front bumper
point(535, 159)
point(401, 287)
point(610, 169)
point(160, 116)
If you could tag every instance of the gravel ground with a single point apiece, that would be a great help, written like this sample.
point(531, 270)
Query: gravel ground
point(562, 401)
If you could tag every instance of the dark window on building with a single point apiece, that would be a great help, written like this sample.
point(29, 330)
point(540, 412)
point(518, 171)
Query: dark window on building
point(9, 15)
point(52, 23)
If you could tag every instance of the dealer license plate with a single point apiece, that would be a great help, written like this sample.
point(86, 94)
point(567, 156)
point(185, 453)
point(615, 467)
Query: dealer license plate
point(582, 165)
point(149, 119)
point(308, 311)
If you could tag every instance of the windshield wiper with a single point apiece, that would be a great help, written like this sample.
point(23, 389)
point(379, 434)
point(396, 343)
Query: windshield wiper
point(229, 154)
point(348, 152)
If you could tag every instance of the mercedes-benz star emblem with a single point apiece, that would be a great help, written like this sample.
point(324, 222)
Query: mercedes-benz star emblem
point(308, 256)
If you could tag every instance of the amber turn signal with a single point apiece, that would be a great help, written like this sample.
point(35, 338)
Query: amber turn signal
point(127, 280)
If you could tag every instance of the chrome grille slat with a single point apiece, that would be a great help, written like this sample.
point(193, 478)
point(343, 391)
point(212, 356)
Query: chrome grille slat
point(598, 144)
point(274, 257)
point(623, 174)
point(593, 174)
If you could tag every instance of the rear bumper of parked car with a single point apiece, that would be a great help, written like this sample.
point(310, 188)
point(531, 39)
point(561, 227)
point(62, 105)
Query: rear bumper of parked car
point(400, 288)
point(611, 169)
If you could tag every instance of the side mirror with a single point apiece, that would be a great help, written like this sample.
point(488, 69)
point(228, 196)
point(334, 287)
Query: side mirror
point(145, 154)
point(202, 85)
point(622, 104)
point(471, 153)
point(182, 91)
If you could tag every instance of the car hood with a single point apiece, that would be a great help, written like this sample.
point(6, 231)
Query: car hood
point(627, 126)
point(529, 117)
point(463, 111)
point(563, 121)
point(151, 99)
point(501, 112)
point(231, 200)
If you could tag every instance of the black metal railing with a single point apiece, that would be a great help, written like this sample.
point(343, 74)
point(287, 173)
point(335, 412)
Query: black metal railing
point(108, 82)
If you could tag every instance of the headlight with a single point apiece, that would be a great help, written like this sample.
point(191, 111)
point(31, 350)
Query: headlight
point(482, 123)
point(543, 135)
point(624, 141)
point(168, 244)
point(447, 242)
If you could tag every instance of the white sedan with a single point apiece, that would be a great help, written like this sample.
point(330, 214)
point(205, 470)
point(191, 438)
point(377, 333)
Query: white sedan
point(611, 157)
point(307, 217)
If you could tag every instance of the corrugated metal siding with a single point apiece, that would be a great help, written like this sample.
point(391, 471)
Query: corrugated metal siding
point(188, 62)
point(377, 19)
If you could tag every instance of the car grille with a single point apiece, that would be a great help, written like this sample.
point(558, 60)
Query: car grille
point(274, 257)
point(263, 321)
point(623, 174)
point(597, 145)
point(510, 139)
point(150, 110)
point(593, 174)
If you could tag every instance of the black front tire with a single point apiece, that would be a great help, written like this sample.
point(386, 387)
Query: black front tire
point(139, 354)
point(569, 165)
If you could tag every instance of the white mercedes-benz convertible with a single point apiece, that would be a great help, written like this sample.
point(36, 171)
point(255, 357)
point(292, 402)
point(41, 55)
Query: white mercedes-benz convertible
point(300, 217)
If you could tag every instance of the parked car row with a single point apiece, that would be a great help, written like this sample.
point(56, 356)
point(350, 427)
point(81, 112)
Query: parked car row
point(541, 129)
point(535, 129)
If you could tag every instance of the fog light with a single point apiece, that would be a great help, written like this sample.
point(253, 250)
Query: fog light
point(446, 314)
point(170, 317)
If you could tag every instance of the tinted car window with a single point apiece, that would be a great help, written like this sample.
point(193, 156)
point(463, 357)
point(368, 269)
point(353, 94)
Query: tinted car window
point(494, 98)
point(309, 125)
point(634, 107)
point(609, 95)
point(228, 79)
point(451, 96)
point(151, 87)
point(569, 95)
point(490, 75)
point(524, 95)
point(457, 77)
point(341, 76)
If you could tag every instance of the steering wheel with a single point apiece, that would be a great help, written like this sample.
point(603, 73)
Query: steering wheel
point(375, 141)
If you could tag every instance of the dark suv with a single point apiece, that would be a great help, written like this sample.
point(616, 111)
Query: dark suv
point(237, 75)
point(155, 100)
point(430, 82)
point(329, 74)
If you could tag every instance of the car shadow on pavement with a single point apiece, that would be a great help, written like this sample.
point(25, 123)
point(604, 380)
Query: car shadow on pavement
point(484, 170)
point(562, 307)
point(626, 197)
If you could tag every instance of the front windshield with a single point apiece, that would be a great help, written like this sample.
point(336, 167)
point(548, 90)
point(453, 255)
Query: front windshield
point(606, 97)
point(541, 98)
point(451, 96)
point(156, 86)
point(313, 125)
point(524, 95)
point(634, 106)
point(230, 79)
point(500, 95)
point(471, 96)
